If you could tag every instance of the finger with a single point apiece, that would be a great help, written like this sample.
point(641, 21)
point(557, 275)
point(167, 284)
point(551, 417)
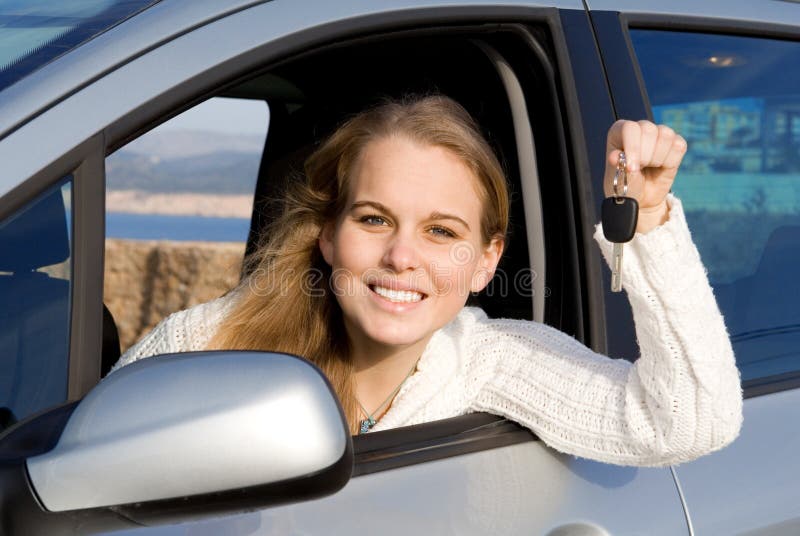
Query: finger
point(649, 138)
point(614, 138)
point(666, 137)
point(676, 153)
point(626, 136)
point(613, 158)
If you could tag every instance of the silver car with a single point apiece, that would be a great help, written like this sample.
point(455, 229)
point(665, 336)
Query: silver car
point(245, 443)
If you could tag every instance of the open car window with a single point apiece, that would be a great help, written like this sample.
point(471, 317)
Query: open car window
point(484, 74)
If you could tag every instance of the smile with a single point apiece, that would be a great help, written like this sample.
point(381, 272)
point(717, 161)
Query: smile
point(397, 296)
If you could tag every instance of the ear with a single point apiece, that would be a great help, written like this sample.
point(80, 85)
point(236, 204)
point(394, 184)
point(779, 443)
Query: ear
point(325, 242)
point(487, 264)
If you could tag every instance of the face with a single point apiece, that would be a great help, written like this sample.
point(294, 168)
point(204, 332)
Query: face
point(407, 249)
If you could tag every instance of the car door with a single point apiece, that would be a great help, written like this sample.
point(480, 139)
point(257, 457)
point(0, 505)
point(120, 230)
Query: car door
point(470, 474)
point(727, 81)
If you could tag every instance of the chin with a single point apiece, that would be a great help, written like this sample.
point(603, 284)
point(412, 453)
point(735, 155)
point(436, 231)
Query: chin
point(393, 335)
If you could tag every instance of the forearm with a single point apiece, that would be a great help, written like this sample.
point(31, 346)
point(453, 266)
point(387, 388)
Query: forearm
point(680, 400)
point(686, 379)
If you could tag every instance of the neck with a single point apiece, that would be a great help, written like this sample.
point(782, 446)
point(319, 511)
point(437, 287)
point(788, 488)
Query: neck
point(380, 363)
point(379, 369)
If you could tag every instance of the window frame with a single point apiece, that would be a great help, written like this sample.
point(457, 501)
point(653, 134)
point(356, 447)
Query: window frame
point(85, 164)
point(623, 70)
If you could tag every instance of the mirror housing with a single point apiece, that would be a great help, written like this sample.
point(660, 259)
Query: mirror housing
point(232, 429)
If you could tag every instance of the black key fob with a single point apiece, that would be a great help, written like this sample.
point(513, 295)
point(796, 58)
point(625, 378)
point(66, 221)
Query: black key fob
point(619, 216)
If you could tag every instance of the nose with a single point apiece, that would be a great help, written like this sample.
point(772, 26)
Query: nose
point(401, 253)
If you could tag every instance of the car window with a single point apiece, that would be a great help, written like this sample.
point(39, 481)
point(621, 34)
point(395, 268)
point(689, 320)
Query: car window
point(737, 101)
point(35, 276)
point(178, 206)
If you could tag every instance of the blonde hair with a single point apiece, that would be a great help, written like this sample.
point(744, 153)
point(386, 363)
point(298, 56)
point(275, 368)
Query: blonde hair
point(286, 304)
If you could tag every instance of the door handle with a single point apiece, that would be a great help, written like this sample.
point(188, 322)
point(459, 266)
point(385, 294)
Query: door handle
point(578, 529)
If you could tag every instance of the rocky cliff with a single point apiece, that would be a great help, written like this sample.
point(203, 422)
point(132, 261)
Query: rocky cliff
point(147, 280)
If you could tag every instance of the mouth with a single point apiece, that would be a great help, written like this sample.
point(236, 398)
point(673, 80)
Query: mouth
point(397, 296)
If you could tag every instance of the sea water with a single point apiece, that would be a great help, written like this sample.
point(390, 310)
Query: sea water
point(168, 227)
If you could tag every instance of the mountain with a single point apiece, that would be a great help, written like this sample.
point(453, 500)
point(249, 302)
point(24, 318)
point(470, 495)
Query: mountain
point(187, 161)
point(182, 143)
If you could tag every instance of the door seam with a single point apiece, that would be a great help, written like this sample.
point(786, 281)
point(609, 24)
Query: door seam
point(686, 514)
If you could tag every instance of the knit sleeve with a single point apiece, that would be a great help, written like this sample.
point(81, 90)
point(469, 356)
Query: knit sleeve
point(184, 331)
point(682, 397)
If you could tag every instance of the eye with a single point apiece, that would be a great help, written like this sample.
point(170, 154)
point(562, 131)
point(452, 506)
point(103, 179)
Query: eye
point(373, 219)
point(442, 232)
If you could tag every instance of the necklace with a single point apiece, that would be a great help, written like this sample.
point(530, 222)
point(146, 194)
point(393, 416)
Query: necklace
point(367, 424)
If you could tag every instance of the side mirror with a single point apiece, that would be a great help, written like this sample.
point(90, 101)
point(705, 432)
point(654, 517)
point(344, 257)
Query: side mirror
point(204, 432)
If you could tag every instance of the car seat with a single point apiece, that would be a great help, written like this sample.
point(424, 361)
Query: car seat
point(764, 325)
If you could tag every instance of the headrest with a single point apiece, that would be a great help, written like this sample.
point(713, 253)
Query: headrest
point(781, 253)
point(35, 237)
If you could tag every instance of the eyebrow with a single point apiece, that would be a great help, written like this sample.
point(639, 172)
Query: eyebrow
point(444, 216)
point(436, 215)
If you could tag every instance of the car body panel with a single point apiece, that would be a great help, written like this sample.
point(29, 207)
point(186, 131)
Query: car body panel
point(752, 486)
point(520, 489)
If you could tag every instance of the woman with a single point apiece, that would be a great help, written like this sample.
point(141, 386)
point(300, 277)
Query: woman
point(402, 214)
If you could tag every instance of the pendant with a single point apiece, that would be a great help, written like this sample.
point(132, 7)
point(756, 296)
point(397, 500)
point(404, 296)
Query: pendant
point(366, 424)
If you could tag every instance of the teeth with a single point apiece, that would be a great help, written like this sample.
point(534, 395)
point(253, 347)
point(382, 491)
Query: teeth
point(401, 296)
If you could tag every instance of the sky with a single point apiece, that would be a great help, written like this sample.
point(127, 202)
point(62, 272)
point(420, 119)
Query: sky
point(219, 114)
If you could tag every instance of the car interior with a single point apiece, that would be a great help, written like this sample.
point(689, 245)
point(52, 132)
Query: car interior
point(304, 115)
point(305, 106)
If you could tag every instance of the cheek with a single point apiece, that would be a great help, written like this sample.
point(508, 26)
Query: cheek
point(349, 264)
point(354, 252)
point(452, 273)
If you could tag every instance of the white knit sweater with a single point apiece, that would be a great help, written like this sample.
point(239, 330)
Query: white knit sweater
point(681, 399)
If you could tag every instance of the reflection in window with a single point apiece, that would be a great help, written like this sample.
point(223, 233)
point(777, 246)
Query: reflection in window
point(737, 102)
point(35, 275)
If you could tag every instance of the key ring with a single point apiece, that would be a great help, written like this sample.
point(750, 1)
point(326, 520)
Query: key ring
point(621, 170)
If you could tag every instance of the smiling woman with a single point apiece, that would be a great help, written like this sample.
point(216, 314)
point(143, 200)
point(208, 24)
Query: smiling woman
point(410, 205)
point(401, 216)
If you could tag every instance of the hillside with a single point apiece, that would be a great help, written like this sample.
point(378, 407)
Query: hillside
point(187, 161)
point(180, 203)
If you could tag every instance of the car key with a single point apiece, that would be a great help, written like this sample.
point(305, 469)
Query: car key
point(619, 216)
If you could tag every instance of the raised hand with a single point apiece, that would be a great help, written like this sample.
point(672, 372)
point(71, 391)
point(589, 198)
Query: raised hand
point(654, 153)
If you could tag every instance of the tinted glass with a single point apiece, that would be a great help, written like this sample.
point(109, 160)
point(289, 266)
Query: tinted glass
point(737, 102)
point(35, 275)
point(34, 32)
